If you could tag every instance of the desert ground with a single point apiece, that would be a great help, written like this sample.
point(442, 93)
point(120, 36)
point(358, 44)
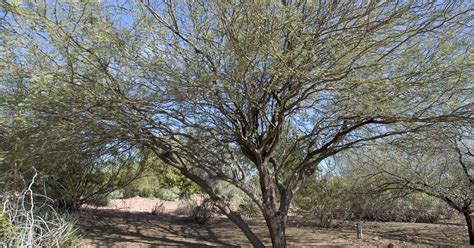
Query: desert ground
point(129, 223)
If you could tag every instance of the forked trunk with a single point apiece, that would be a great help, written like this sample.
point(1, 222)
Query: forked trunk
point(469, 227)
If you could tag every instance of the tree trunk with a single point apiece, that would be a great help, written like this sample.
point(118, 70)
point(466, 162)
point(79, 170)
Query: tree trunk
point(251, 236)
point(469, 227)
point(276, 226)
point(224, 207)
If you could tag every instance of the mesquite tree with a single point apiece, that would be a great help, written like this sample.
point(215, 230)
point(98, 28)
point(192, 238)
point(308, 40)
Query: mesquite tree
point(228, 90)
point(438, 162)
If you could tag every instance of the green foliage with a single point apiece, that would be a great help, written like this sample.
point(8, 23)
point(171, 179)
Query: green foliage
point(245, 205)
point(337, 198)
point(161, 182)
point(327, 198)
point(224, 91)
point(6, 228)
point(249, 208)
point(328, 191)
point(70, 237)
point(436, 162)
point(71, 170)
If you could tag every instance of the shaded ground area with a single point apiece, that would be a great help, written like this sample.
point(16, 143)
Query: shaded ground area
point(136, 227)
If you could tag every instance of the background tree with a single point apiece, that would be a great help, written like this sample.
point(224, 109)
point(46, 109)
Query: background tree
point(226, 91)
point(77, 161)
point(330, 198)
point(74, 167)
point(439, 163)
point(159, 181)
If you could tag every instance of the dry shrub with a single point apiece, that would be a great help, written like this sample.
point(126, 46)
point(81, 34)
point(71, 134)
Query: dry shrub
point(158, 209)
point(29, 220)
point(198, 211)
point(100, 201)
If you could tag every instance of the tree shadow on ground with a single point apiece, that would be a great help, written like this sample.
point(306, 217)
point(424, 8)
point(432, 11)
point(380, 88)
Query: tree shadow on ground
point(419, 234)
point(106, 228)
point(115, 228)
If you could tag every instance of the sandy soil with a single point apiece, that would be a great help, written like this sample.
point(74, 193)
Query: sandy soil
point(129, 223)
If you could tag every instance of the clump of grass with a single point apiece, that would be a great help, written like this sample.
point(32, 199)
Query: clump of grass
point(28, 220)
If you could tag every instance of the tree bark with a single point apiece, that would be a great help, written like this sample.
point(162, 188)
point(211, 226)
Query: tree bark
point(276, 227)
point(469, 226)
point(206, 187)
point(251, 236)
point(224, 207)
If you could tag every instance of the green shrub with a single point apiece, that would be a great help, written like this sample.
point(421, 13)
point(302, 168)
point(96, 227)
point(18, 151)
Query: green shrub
point(167, 194)
point(339, 198)
point(249, 208)
point(117, 194)
point(6, 228)
point(70, 236)
point(162, 182)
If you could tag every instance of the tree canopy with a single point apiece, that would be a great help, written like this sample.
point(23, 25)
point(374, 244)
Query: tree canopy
point(226, 91)
point(438, 162)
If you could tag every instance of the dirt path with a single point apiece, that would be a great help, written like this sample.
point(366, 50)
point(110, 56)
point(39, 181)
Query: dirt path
point(132, 225)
